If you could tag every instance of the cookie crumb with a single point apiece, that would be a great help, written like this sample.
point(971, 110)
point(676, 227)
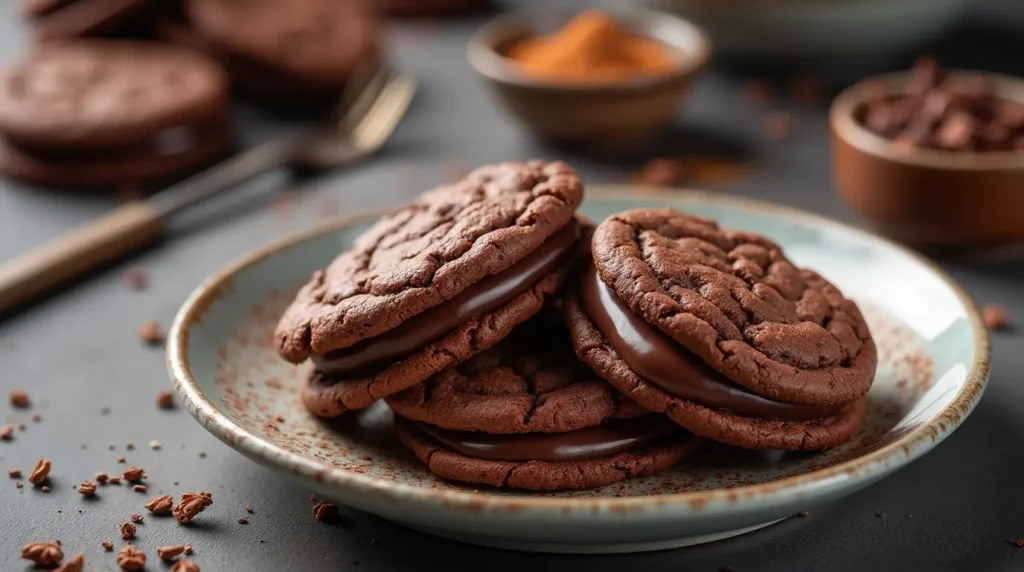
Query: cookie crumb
point(137, 278)
point(1019, 543)
point(324, 511)
point(185, 566)
point(188, 550)
point(139, 488)
point(165, 400)
point(87, 489)
point(202, 455)
point(995, 317)
point(170, 552)
point(42, 553)
point(136, 518)
point(18, 485)
point(130, 446)
point(155, 445)
point(243, 520)
point(190, 505)
point(36, 417)
point(663, 172)
point(127, 531)
point(121, 459)
point(102, 478)
point(19, 398)
point(115, 480)
point(133, 473)
point(129, 558)
point(160, 505)
point(107, 545)
point(248, 509)
point(14, 473)
point(150, 333)
point(45, 489)
point(7, 432)
point(40, 472)
point(777, 125)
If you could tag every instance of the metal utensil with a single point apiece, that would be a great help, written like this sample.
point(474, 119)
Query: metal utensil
point(368, 114)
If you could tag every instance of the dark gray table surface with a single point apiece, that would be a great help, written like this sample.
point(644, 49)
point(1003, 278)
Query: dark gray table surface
point(78, 353)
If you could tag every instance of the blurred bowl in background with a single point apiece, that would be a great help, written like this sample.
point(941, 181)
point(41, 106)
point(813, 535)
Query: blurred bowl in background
point(591, 115)
point(816, 31)
point(927, 197)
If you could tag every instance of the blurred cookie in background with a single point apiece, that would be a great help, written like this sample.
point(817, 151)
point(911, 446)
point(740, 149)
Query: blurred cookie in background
point(426, 8)
point(61, 19)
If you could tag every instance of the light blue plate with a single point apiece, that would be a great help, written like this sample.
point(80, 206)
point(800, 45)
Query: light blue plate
point(933, 367)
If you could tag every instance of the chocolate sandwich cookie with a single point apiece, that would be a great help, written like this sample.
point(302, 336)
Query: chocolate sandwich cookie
point(720, 331)
point(316, 45)
point(433, 283)
point(526, 414)
point(100, 113)
point(55, 19)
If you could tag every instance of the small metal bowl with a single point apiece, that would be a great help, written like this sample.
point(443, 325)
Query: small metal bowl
point(929, 198)
point(605, 115)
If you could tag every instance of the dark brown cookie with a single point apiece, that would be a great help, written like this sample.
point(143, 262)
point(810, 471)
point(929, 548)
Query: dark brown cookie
point(77, 18)
point(111, 171)
point(318, 42)
point(716, 424)
point(733, 299)
point(422, 8)
point(530, 382)
point(544, 475)
point(332, 395)
point(428, 252)
point(97, 93)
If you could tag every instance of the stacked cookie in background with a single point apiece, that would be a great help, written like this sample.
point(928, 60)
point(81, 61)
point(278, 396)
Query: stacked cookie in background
point(451, 309)
point(122, 94)
point(105, 114)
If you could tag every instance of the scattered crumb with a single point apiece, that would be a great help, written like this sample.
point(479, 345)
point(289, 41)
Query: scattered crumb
point(185, 566)
point(121, 459)
point(136, 518)
point(170, 552)
point(663, 172)
point(995, 317)
point(18, 484)
point(21, 426)
point(74, 564)
point(137, 278)
point(190, 505)
point(150, 333)
point(42, 553)
point(7, 432)
point(160, 505)
point(139, 488)
point(39, 472)
point(115, 480)
point(19, 398)
point(130, 446)
point(14, 473)
point(324, 511)
point(129, 558)
point(1019, 543)
point(37, 417)
point(102, 478)
point(188, 550)
point(777, 125)
point(44, 488)
point(248, 509)
point(87, 489)
point(107, 545)
point(165, 400)
point(127, 531)
point(243, 520)
point(155, 445)
point(133, 473)
point(202, 455)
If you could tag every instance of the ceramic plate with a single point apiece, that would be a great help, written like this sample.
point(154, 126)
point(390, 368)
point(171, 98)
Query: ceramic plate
point(933, 366)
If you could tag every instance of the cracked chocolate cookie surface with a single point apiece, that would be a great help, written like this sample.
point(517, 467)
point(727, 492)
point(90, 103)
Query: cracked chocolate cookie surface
point(530, 382)
point(734, 299)
point(428, 252)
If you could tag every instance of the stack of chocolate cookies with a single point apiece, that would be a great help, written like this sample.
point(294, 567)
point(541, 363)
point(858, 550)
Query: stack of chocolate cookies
point(100, 113)
point(451, 309)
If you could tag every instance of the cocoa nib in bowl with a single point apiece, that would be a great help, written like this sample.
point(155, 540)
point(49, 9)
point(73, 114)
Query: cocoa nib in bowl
point(934, 157)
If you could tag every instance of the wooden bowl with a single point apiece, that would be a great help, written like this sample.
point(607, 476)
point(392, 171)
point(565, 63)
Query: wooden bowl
point(925, 197)
point(605, 115)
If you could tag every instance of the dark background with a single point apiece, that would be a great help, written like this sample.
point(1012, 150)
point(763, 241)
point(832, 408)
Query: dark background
point(79, 353)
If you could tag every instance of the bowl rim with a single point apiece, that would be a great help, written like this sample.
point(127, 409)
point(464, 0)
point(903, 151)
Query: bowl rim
point(866, 468)
point(486, 61)
point(845, 126)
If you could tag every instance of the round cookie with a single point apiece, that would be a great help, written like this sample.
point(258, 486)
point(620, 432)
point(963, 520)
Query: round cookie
point(112, 171)
point(677, 261)
point(434, 283)
point(543, 475)
point(530, 382)
point(98, 93)
point(733, 299)
point(317, 42)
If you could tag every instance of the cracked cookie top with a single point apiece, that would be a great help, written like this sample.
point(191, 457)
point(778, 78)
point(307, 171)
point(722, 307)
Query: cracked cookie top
point(425, 253)
point(735, 300)
point(531, 382)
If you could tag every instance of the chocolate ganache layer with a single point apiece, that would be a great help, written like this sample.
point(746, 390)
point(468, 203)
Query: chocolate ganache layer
point(597, 442)
point(661, 361)
point(484, 296)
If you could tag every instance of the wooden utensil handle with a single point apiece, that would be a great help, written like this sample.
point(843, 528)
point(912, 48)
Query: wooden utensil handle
point(126, 229)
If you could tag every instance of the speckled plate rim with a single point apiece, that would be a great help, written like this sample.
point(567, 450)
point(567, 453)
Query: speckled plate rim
point(822, 482)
